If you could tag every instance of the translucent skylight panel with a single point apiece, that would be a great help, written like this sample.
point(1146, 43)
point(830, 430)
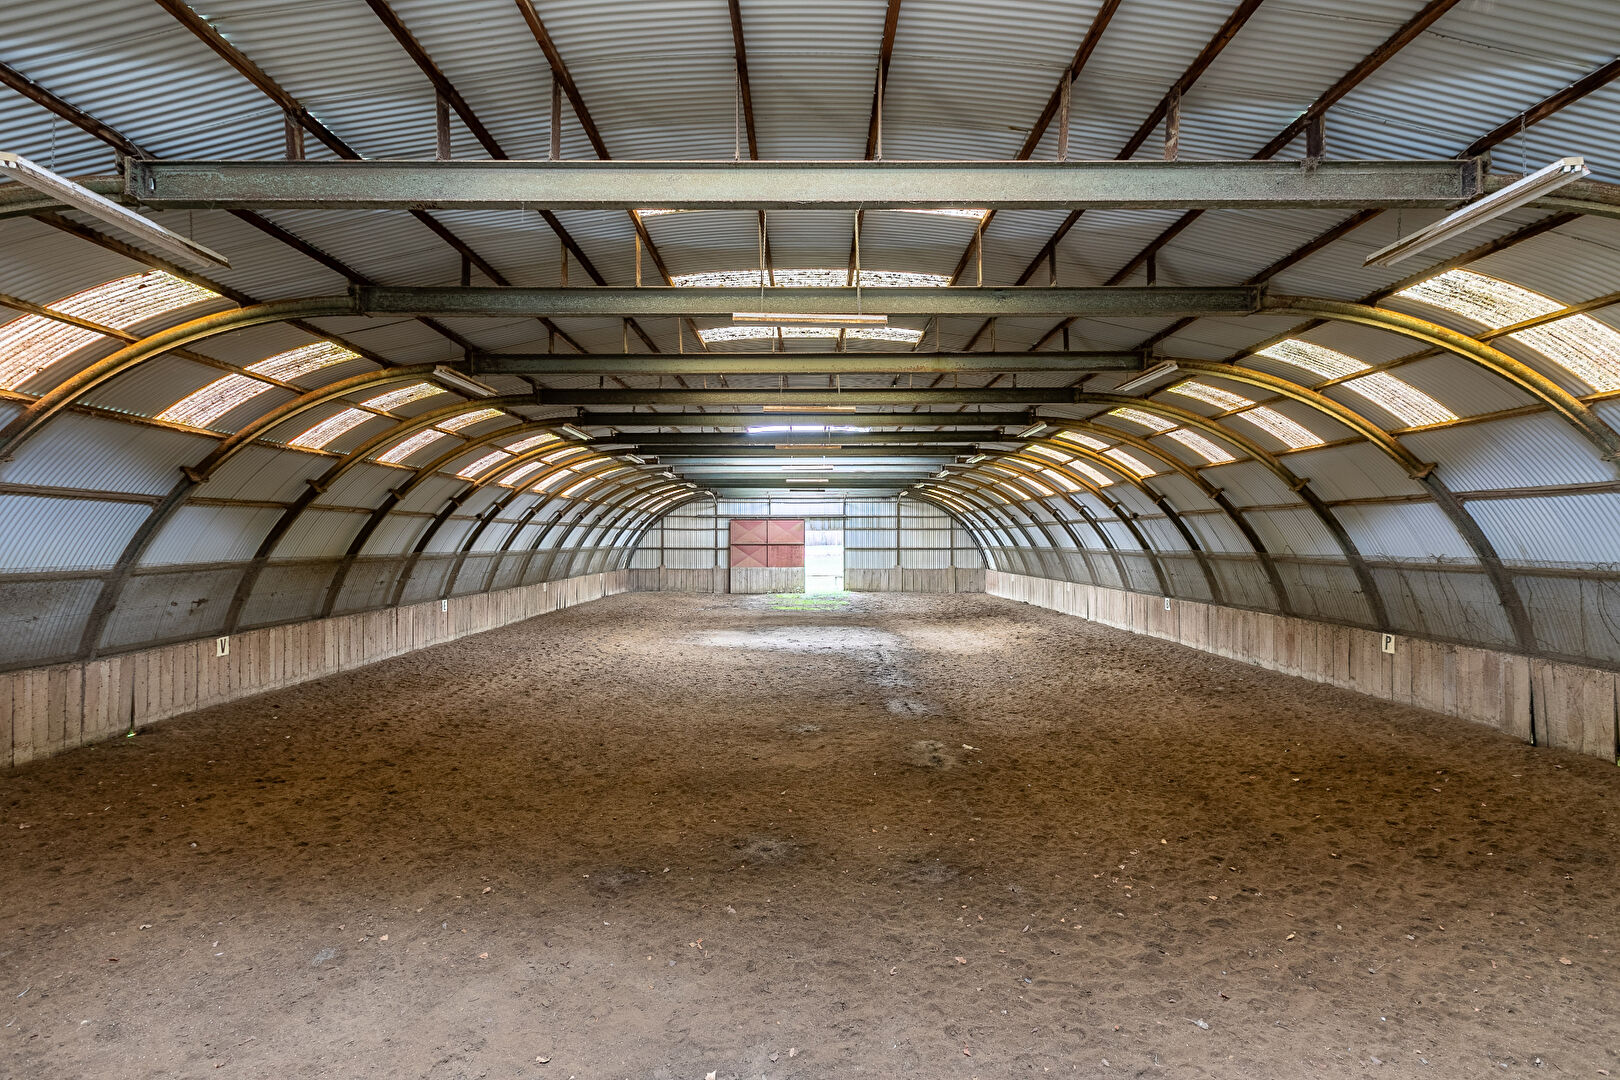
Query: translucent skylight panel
point(943, 211)
point(203, 407)
point(1063, 481)
point(568, 492)
point(567, 451)
point(1317, 359)
point(1580, 344)
point(1201, 446)
point(1083, 440)
point(1131, 463)
point(763, 333)
point(1483, 299)
point(1146, 419)
point(1047, 451)
point(1395, 397)
point(809, 277)
point(883, 333)
point(766, 333)
point(1413, 406)
point(33, 343)
point(515, 477)
point(1294, 435)
point(403, 396)
point(330, 428)
point(530, 443)
point(1096, 476)
point(545, 483)
point(295, 363)
point(482, 465)
point(1214, 395)
point(406, 447)
point(456, 423)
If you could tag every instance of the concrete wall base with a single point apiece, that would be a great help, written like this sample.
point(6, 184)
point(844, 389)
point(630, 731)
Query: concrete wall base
point(47, 710)
point(1541, 701)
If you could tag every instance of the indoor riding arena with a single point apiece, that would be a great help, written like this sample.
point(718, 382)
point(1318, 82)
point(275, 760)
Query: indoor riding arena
point(762, 540)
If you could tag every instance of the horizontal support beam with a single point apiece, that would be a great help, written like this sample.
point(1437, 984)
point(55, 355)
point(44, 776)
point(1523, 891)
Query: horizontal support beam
point(738, 420)
point(797, 363)
point(833, 484)
point(1583, 196)
point(658, 442)
point(871, 453)
point(797, 185)
point(900, 395)
point(1112, 301)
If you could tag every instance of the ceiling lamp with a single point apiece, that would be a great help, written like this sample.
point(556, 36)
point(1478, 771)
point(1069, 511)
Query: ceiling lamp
point(456, 380)
point(1148, 377)
point(41, 179)
point(1536, 185)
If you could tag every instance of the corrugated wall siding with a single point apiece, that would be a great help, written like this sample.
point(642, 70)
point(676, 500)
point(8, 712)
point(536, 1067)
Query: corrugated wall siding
point(47, 710)
point(1567, 706)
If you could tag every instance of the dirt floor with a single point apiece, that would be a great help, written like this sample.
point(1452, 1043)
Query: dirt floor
point(681, 836)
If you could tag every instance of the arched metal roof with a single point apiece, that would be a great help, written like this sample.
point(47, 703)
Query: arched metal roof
point(1428, 449)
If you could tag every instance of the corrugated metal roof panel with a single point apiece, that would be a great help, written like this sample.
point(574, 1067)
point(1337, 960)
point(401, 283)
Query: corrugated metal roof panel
point(208, 534)
point(38, 533)
point(1572, 530)
point(1403, 531)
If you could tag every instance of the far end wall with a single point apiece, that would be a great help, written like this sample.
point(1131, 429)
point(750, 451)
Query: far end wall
point(890, 545)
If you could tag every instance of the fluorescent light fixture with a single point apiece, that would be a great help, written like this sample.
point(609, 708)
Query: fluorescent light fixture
point(808, 468)
point(1537, 184)
point(1148, 378)
point(457, 381)
point(976, 458)
point(103, 209)
point(808, 445)
point(808, 320)
point(573, 432)
point(808, 408)
point(806, 480)
point(1034, 430)
point(634, 458)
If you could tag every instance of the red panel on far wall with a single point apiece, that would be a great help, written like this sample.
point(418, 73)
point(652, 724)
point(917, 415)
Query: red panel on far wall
point(785, 532)
point(786, 554)
point(750, 555)
point(748, 532)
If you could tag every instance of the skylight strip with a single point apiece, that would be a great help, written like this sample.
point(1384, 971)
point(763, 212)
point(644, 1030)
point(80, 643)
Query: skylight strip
point(1213, 395)
point(515, 477)
point(1201, 446)
point(295, 363)
point(1413, 406)
point(31, 344)
point(770, 332)
point(1580, 344)
point(1398, 398)
point(1132, 464)
point(530, 443)
point(1096, 476)
point(1146, 419)
point(456, 423)
point(482, 465)
point(808, 277)
point(406, 447)
point(1083, 440)
point(202, 407)
point(1295, 435)
point(330, 428)
point(403, 396)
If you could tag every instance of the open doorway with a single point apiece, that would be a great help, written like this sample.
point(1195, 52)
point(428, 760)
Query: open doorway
point(823, 559)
